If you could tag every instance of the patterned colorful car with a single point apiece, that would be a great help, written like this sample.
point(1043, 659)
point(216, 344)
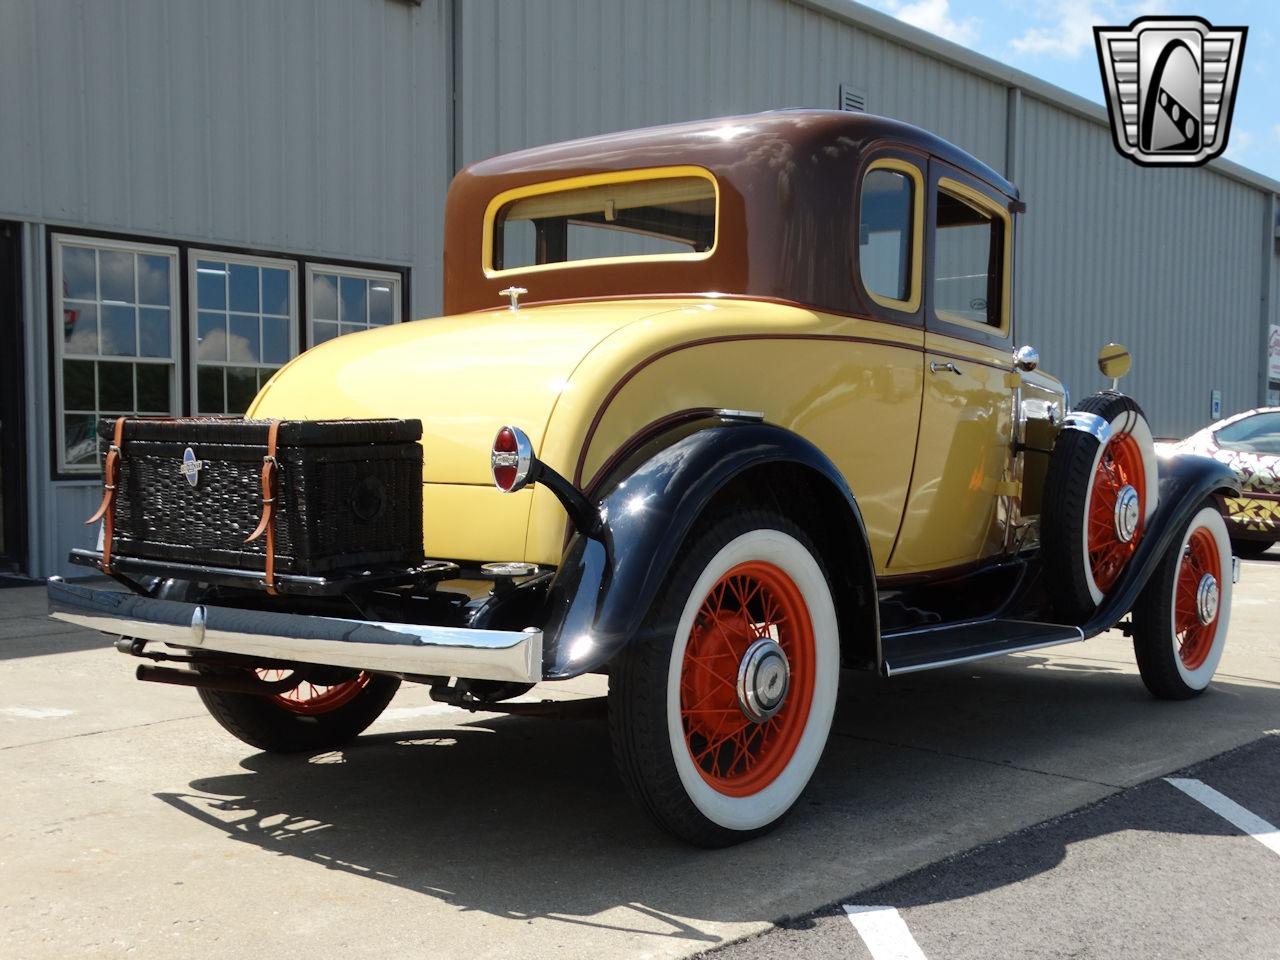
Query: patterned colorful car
point(717, 410)
point(1249, 443)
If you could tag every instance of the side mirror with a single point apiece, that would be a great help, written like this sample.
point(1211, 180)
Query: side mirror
point(1114, 362)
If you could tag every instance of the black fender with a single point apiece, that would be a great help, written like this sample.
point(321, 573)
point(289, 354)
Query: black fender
point(607, 580)
point(1186, 482)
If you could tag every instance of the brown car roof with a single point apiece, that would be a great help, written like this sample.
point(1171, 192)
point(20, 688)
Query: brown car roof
point(787, 183)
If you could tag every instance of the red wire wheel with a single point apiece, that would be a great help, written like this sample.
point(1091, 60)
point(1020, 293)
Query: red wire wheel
point(1120, 466)
point(310, 699)
point(1195, 639)
point(735, 755)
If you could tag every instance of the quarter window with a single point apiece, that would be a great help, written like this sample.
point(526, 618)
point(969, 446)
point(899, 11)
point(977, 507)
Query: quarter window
point(116, 347)
point(345, 301)
point(245, 327)
point(885, 236)
point(968, 262)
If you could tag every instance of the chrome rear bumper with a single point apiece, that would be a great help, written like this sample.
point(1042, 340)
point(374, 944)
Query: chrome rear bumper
point(358, 644)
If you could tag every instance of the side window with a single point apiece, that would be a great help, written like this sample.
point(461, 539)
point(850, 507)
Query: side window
point(968, 262)
point(888, 235)
point(1256, 434)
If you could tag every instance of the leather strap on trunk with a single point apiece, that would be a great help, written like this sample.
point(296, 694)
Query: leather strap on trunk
point(106, 511)
point(265, 523)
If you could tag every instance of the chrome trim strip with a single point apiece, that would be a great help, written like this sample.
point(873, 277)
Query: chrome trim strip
point(1089, 423)
point(889, 671)
point(356, 644)
point(934, 628)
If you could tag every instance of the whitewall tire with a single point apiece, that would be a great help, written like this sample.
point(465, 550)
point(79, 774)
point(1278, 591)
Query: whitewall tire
point(1180, 621)
point(743, 655)
point(1098, 500)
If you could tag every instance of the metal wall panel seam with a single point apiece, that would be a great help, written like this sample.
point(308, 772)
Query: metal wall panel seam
point(1269, 259)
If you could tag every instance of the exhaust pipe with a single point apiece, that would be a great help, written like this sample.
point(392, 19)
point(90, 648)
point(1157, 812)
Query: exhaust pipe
point(230, 683)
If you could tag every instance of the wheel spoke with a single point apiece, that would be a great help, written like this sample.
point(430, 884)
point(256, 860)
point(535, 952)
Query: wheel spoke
point(753, 601)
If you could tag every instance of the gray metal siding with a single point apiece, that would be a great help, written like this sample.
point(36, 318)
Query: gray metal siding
point(572, 68)
point(1168, 262)
point(303, 126)
point(1185, 301)
point(325, 128)
point(310, 127)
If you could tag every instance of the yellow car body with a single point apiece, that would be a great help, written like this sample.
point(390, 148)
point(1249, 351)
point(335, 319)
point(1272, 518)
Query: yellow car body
point(922, 420)
point(769, 421)
point(583, 379)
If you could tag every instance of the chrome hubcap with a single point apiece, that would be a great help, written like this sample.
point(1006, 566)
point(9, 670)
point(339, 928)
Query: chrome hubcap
point(1126, 515)
point(763, 679)
point(1207, 599)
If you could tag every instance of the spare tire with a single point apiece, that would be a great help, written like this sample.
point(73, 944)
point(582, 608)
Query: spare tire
point(1098, 498)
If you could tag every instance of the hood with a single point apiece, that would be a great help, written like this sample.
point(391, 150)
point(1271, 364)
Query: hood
point(464, 377)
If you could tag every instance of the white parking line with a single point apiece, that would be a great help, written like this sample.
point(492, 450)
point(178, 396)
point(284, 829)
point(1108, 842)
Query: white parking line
point(1228, 809)
point(884, 932)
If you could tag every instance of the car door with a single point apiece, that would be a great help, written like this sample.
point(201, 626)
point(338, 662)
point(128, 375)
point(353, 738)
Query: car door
point(880, 370)
point(962, 480)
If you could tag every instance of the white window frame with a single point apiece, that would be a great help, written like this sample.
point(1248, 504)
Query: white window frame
point(59, 241)
point(194, 256)
point(359, 273)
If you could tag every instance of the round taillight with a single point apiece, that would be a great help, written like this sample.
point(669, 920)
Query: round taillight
point(511, 459)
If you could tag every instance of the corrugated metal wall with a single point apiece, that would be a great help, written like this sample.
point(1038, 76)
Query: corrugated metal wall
point(1168, 262)
point(536, 71)
point(312, 127)
point(301, 126)
point(325, 128)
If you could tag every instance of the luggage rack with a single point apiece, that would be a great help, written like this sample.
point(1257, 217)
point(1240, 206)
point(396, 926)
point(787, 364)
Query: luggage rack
point(334, 583)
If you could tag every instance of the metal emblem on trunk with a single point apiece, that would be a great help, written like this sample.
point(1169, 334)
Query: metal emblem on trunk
point(190, 466)
point(1171, 87)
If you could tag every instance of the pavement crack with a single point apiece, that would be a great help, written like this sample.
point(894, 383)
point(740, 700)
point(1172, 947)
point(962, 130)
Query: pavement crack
point(98, 733)
point(1002, 764)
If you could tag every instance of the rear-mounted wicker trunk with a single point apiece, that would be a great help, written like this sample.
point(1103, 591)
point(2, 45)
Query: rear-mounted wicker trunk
point(348, 493)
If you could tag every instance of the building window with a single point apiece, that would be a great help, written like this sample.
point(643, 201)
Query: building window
point(245, 326)
point(345, 300)
point(116, 349)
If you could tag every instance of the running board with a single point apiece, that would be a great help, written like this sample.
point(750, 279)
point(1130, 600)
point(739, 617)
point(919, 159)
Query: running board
point(945, 644)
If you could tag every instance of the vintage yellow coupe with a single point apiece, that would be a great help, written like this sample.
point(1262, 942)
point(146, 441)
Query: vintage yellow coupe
point(716, 409)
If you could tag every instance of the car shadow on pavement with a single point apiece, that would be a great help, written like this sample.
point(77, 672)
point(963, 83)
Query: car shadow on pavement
point(523, 818)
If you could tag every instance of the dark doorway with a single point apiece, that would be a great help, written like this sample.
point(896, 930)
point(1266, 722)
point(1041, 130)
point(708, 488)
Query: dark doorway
point(13, 478)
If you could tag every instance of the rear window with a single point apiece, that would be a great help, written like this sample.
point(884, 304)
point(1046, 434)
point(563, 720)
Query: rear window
point(658, 216)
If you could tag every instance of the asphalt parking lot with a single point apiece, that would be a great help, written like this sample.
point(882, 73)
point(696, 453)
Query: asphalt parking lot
point(1148, 872)
point(133, 826)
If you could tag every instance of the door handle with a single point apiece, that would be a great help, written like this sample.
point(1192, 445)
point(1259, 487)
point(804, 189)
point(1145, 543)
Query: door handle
point(948, 367)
